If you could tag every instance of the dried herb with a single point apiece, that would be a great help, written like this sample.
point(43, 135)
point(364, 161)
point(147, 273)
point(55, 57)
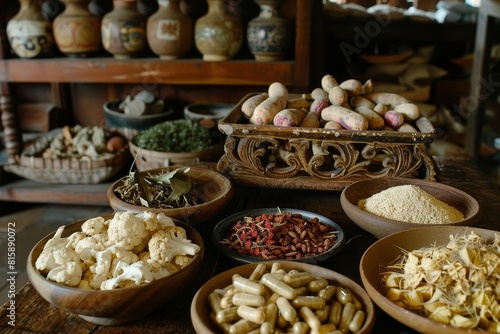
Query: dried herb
point(170, 190)
point(181, 135)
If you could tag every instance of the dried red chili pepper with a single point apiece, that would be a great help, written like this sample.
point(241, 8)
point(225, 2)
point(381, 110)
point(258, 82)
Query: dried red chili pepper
point(281, 235)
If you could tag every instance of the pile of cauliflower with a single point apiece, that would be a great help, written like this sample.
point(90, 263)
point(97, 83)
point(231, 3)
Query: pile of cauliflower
point(129, 249)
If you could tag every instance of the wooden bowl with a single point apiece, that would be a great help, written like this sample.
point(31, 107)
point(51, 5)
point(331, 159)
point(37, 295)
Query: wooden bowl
point(381, 227)
point(147, 159)
point(119, 306)
point(200, 308)
point(387, 249)
point(217, 189)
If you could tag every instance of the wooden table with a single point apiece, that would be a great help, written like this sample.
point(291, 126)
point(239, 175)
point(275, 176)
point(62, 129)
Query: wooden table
point(34, 315)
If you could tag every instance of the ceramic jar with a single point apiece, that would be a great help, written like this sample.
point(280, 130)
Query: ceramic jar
point(219, 33)
point(76, 30)
point(169, 31)
point(123, 30)
point(269, 36)
point(29, 32)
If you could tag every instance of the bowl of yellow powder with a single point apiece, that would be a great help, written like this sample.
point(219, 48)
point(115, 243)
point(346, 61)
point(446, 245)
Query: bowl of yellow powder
point(383, 206)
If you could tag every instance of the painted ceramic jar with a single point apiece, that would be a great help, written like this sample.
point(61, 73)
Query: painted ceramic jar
point(269, 36)
point(169, 31)
point(77, 31)
point(219, 33)
point(29, 32)
point(123, 30)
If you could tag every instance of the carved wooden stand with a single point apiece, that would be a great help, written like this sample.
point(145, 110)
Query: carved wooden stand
point(304, 158)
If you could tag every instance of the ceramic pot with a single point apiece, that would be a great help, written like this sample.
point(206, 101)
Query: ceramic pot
point(219, 33)
point(76, 30)
point(29, 32)
point(269, 36)
point(169, 31)
point(123, 30)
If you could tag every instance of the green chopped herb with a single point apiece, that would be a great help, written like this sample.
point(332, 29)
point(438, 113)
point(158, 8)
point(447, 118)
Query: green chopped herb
point(179, 135)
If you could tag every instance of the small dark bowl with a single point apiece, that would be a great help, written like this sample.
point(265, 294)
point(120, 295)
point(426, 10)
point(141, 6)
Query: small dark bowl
point(117, 119)
point(380, 227)
point(207, 111)
point(222, 229)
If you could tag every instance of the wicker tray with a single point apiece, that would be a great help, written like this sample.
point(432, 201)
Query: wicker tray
point(317, 158)
point(65, 170)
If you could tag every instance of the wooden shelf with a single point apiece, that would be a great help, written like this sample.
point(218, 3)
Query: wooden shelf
point(176, 77)
point(399, 30)
point(35, 192)
point(182, 72)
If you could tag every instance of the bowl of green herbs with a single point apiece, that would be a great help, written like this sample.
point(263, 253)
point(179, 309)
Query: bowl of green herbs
point(175, 142)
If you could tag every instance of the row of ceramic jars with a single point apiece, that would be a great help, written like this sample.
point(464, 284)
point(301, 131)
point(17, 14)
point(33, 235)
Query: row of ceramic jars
point(125, 33)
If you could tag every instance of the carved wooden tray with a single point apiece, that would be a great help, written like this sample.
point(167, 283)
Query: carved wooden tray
point(317, 158)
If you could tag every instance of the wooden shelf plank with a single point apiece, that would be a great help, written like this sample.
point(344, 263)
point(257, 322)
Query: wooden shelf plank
point(354, 29)
point(34, 192)
point(110, 70)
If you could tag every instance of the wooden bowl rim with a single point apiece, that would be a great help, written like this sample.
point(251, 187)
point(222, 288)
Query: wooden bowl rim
point(76, 226)
point(349, 206)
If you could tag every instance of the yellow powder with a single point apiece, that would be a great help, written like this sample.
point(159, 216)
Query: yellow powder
point(411, 204)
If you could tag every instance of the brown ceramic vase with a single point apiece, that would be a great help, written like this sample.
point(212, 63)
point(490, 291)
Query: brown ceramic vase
point(76, 30)
point(123, 30)
point(29, 32)
point(219, 33)
point(169, 31)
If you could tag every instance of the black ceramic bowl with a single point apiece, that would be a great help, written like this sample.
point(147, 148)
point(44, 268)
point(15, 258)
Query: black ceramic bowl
point(117, 119)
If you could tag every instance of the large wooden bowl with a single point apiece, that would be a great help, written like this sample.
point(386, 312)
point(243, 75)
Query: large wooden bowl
point(386, 250)
point(119, 306)
point(200, 308)
point(380, 227)
point(217, 189)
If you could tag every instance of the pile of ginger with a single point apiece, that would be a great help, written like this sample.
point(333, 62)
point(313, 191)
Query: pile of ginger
point(128, 249)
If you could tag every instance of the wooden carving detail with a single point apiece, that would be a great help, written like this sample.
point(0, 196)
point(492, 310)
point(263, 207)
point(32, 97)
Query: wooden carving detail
point(328, 160)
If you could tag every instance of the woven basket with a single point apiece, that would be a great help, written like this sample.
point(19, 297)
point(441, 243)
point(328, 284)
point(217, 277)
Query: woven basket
point(32, 166)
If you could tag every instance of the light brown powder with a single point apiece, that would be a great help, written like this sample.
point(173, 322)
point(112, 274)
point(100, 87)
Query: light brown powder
point(411, 204)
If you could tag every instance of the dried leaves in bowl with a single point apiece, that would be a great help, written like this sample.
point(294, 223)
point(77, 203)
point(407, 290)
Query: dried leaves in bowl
point(171, 189)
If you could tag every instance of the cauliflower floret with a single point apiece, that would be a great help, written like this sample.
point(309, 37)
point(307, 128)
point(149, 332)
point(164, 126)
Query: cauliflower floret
point(106, 260)
point(166, 244)
point(164, 220)
point(150, 220)
point(60, 263)
point(91, 280)
point(129, 231)
point(93, 226)
point(156, 268)
point(74, 238)
point(182, 260)
point(138, 273)
point(69, 273)
point(97, 242)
